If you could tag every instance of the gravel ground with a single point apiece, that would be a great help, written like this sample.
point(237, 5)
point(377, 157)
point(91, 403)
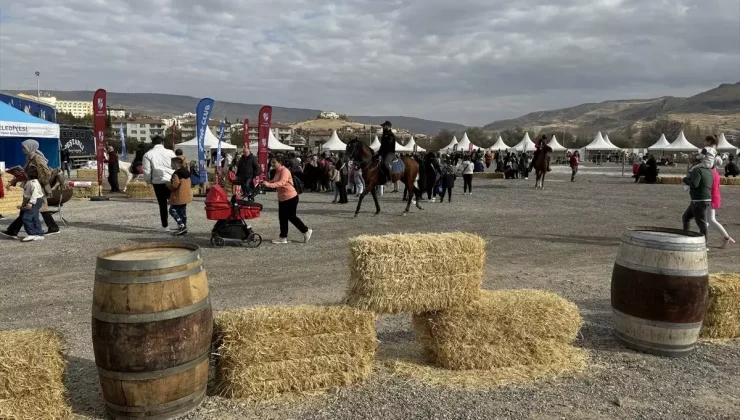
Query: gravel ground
point(562, 239)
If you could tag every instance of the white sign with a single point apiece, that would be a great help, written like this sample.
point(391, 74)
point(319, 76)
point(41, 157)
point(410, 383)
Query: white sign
point(16, 129)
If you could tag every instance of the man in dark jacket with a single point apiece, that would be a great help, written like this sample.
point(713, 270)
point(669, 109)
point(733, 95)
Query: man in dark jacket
point(731, 169)
point(700, 189)
point(387, 151)
point(246, 170)
point(66, 161)
point(113, 169)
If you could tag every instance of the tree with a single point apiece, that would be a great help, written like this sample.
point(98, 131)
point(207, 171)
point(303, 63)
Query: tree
point(651, 132)
point(168, 134)
point(64, 118)
point(479, 137)
point(442, 139)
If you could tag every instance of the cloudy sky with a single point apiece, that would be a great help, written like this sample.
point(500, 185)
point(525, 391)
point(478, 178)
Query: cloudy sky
point(466, 61)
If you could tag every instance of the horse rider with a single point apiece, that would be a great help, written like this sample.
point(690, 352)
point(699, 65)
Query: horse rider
point(387, 151)
point(538, 147)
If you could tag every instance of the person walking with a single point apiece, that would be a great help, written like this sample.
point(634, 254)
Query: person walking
point(157, 167)
point(433, 175)
point(66, 161)
point(467, 168)
point(181, 195)
point(343, 181)
point(246, 170)
point(715, 204)
point(113, 169)
point(573, 166)
point(287, 202)
point(448, 182)
point(33, 199)
point(700, 182)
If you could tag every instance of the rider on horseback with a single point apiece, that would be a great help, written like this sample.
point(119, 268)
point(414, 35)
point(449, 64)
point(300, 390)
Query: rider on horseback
point(387, 151)
point(538, 149)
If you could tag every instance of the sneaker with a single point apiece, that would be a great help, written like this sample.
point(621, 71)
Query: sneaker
point(31, 238)
point(165, 229)
point(280, 241)
point(51, 232)
point(728, 241)
point(174, 229)
point(5, 234)
point(307, 236)
point(182, 232)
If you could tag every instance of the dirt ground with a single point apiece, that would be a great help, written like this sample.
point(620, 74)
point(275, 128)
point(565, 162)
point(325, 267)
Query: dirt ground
point(562, 239)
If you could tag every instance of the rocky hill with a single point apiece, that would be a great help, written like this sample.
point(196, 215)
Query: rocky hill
point(717, 108)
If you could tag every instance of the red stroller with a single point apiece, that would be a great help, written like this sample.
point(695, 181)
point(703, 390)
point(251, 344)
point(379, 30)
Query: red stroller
point(231, 217)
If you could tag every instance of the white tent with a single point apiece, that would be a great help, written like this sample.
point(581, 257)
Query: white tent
point(402, 149)
point(375, 145)
point(499, 145)
point(450, 147)
point(681, 145)
point(465, 144)
point(600, 144)
point(609, 142)
point(334, 144)
point(661, 144)
point(526, 145)
point(412, 144)
point(555, 146)
point(725, 145)
point(190, 147)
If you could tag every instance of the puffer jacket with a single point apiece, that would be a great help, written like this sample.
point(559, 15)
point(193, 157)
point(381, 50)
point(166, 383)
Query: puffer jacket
point(157, 165)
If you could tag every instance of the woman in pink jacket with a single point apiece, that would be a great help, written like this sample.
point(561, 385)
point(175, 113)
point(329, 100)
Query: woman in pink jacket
point(716, 203)
point(287, 202)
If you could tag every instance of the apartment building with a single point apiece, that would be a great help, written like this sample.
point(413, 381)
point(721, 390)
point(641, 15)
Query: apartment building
point(78, 109)
point(140, 129)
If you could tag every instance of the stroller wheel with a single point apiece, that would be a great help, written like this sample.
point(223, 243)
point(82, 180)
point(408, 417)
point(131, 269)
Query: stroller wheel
point(217, 241)
point(253, 241)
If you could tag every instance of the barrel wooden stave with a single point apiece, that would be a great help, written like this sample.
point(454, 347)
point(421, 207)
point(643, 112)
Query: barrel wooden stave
point(659, 290)
point(152, 328)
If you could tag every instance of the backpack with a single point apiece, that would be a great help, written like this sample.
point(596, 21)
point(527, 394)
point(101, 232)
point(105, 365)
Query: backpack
point(297, 184)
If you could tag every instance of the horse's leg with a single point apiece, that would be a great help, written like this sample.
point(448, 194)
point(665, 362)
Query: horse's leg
point(359, 202)
point(542, 184)
point(375, 199)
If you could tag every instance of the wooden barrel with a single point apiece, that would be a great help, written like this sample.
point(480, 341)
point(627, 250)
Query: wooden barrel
point(659, 290)
point(152, 328)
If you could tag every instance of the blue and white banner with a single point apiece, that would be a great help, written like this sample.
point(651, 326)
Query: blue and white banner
point(123, 143)
point(220, 138)
point(202, 115)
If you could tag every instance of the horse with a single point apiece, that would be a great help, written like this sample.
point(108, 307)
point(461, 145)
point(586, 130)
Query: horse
point(541, 163)
point(362, 153)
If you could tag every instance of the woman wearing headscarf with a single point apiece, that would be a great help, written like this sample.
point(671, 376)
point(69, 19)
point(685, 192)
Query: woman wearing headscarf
point(35, 158)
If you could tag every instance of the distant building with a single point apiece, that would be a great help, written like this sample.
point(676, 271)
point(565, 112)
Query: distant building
point(189, 128)
point(329, 115)
point(78, 109)
point(117, 112)
point(140, 129)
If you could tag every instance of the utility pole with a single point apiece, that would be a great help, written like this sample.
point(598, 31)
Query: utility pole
point(38, 86)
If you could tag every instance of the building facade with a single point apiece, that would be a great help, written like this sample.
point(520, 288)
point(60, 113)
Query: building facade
point(139, 129)
point(117, 112)
point(78, 109)
point(189, 128)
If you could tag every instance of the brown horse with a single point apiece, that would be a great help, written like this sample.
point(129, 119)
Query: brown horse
point(541, 163)
point(362, 153)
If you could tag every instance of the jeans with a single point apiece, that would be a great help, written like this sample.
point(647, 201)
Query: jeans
point(573, 172)
point(180, 214)
point(447, 191)
point(468, 183)
point(163, 194)
point(287, 213)
point(247, 187)
point(697, 210)
point(15, 227)
point(31, 222)
point(66, 167)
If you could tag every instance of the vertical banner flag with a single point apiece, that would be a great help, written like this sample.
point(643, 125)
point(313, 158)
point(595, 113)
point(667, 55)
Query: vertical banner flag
point(123, 142)
point(265, 119)
point(246, 134)
point(202, 115)
point(218, 152)
point(470, 148)
point(100, 109)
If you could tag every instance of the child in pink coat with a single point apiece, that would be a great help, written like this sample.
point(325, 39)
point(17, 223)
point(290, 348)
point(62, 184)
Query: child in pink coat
point(716, 203)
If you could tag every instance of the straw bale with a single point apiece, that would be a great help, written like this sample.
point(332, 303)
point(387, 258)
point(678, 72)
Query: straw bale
point(729, 181)
point(265, 351)
point(489, 175)
point(502, 329)
point(139, 190)
point(31, 370)
point(415, 272)
point(86, 192)
point(13, 199)
point(722, 320)
point(87, 174)
point(672, 180)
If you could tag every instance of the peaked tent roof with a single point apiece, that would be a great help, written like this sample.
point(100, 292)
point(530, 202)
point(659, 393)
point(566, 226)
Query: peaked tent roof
point(16, 123)
point(661, 144)
point(609, 142)
point(334, 144)
point(499, 145)
point(375, 145)
point(412, 144)
point(724, 144)
point(402, 148)
point(450, 146)
point(274, 144)
point(526, 144)
point(555, 146)
point(600, 144)
point(681, 145)
point(465, 144)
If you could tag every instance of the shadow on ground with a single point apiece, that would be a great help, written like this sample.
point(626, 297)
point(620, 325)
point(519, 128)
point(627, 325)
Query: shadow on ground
point(81, 380)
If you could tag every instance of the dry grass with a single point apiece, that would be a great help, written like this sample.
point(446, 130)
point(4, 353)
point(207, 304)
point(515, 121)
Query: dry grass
point(722, 320)
point(86, 192)
point(488, 175)
point(13, 199)
point(729, 181)
point(670, 180)
point(87, 174)
point(266, 351)
point(502, 329)
point(415, 272)
point(313, 125)
point(31, 370)
point(139, 190)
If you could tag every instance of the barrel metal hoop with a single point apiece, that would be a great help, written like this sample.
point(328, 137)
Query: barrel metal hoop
point(139, 265)
point(663, 246)
point(659, 324)
point(663, 349)
point(155, 374)
point(649, 233)
point(148, 279)
point(662, 271)
point(151, 317)
point(160, 409)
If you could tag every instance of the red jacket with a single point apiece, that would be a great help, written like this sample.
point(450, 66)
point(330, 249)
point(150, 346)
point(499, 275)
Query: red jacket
point(573, 161)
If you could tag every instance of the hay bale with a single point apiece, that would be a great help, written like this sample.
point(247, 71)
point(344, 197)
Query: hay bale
point(87, 174)
point(139, 190)
point(670, 180)
point(31, 370)
point(266, 351)
point(13, 199)
point(729, 181)
point(488, 175)
point(722, 320)
point(86, 192)
point(415, 272)
point(502, 329)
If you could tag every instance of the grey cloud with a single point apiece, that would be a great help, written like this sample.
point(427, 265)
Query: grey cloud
point(468, 61)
